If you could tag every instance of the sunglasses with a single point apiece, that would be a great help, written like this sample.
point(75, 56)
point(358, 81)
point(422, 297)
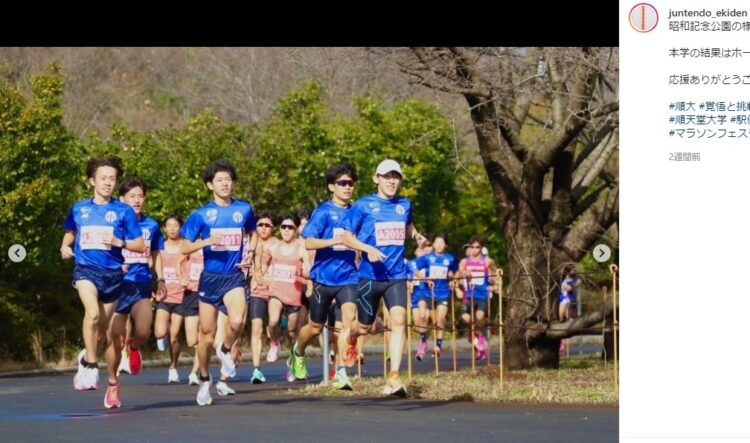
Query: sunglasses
point(291, 227)
point(265, 225)
point(343, 183)
point(475, 246)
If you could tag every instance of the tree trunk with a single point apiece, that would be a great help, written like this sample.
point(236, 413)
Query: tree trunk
point(532, 300)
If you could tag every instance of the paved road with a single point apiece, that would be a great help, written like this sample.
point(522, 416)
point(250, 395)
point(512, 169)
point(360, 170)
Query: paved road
point(46, 408)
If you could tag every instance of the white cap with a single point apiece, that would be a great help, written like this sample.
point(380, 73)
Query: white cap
point(387, 166)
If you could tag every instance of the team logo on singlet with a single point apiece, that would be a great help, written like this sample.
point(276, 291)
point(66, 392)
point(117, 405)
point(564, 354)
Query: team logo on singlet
point(146, 234)
point(110, 216)
point(446, 262)
point(400, 210)
point(211, 214)
point(85, 212)
point(237, 217)
point(390, 233)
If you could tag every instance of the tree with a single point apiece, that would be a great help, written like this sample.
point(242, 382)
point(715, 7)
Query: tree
point(546, 125)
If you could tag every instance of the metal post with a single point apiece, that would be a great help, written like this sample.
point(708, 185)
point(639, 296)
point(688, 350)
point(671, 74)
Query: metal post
point(453, 326)
point(325, 354)
point(579, 309)
point(500, 325)
point(434, 332)
point(613, 270)
point(409, 291)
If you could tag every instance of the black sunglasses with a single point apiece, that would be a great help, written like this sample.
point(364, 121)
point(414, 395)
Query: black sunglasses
point(265, 225)
point(288, 227)
point(343, 183)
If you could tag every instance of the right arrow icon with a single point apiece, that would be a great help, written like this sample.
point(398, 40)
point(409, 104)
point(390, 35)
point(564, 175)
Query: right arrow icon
point(602, 253)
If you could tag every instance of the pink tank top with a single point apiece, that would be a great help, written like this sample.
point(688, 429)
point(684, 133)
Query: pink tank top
point(478, 275)
point(286, 267)
point(170, 261)
point(192, 268)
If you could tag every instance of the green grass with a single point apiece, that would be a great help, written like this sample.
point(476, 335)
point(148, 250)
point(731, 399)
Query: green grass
point(580, 380)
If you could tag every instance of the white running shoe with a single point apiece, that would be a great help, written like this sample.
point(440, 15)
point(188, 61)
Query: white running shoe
point(174, 377)
point(124, 364)
point(223, 389)
point(88, 379)
point(161, 343)
point(193, 379)
point(204, 394)
point(78, 380)
point(227, 364)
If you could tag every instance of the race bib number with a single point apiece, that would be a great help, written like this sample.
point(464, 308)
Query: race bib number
point(92, 237)
point(284, 273)
point(136, 257)
point(390, 233)
point(339, 232)
point(195, 271)
point(440, 272)
point(170, 275)
point(477, 278)
point(231, 239)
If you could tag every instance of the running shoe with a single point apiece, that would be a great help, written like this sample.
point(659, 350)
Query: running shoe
point(227, 364)
point(134, 359)
point(258, 377)
point(124, 364)
point(204, 394)
point(223, 389)
point(273, 353)
point(112, 396)
point(394, 386)
point(296, 364)
point(341, 381)
point(421, 351)
point(193, 379)
point(174, 377)
point(350, 353)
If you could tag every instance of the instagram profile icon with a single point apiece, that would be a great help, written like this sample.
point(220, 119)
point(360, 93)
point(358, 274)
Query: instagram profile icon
point(643, 17)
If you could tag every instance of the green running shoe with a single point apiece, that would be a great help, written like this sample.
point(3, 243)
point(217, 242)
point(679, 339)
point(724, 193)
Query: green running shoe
point(341, 381)
point(297, 365)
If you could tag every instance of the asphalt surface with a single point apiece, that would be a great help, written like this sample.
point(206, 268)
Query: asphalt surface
point(46, 408)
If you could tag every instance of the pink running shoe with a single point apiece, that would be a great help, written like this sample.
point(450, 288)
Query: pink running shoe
point(112, 397)
point(273, 353)
point(482, 343)
point(421, 351)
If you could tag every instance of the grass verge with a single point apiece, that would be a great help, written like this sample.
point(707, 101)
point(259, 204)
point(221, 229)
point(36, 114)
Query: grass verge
point(579, 381)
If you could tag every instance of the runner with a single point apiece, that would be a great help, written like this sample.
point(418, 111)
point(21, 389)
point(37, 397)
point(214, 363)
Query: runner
point(288, 260)
point(221, 224)
point(476, 269)
point(334, 272)
point(169, 309)
point(440, 266)
point(100, 227)
point(378, 225)
point(135, 300)
point(304, 313)
point(259, 293)
point(421, 300)
point(192, 267)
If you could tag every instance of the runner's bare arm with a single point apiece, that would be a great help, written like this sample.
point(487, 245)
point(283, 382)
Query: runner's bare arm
point(65, 249)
